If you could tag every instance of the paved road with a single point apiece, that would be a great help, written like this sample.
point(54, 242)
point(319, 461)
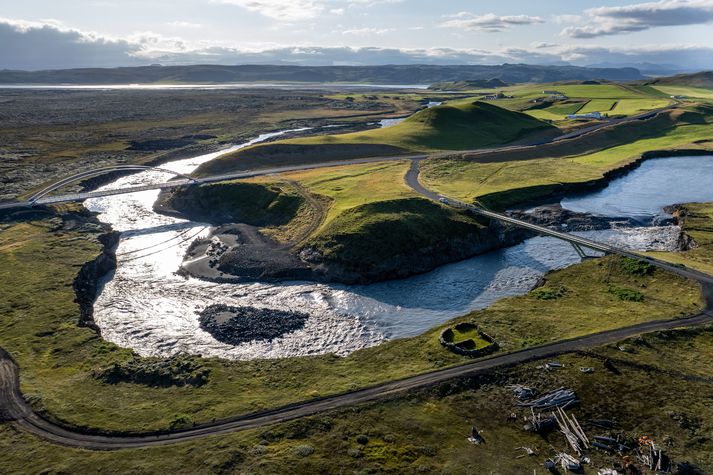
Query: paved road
point(15, 408)
point(75, 197)
point(412, 180)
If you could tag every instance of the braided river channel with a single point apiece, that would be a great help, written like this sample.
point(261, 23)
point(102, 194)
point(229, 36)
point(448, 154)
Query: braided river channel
point(146, 306)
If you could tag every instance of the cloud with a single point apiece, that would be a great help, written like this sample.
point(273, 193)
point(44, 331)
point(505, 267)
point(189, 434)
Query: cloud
point(543, 44)
point(297, 10)
point(283, 10)
point(184, 24)
point(44, 46)
point(642, 16)
point(32, 45)
point(368, 31)
point(681, 57)
point(489, 22)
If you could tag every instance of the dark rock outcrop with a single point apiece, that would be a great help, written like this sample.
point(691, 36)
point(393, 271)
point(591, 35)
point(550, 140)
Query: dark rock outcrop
point(180, 370)
point(236, 325)
point(554, 216)
point(87, 283)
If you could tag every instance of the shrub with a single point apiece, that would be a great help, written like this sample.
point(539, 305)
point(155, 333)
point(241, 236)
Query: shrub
point(181, 421)
point(636, 267)
point(628, 295)
point(355, 453)
point(362, 439)
point(544, 293)
point(179, 370)
point(304, 450)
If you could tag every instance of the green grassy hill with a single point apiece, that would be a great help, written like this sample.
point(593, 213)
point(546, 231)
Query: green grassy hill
point(234, 202)
point(396, 238)
point(698, 86)
point(456, 126)
point(468, 85)
point(703, 79)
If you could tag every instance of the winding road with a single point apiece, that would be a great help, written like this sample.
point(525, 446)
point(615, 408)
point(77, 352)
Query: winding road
point(412, 180)
point(15, 409)
point(40, 199)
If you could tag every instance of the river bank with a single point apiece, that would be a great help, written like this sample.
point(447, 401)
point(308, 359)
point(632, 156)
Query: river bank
point(530, 197)
point(146, 306)
point(240, 252)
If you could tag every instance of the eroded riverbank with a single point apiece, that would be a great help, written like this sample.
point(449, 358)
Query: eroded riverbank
point(144, 305)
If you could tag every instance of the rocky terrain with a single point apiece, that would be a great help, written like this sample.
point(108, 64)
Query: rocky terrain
point(48, 134)
point(555, 216)
point(236, 325)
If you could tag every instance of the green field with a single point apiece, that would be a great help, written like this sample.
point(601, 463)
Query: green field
point(697, 222)
point(629, 100)
point(356, 185)
point(557, 111)
point(425, 431)
point(598, 105)
point(58, 359)
point(526, 179)
point(690, 92)
point(636, 106)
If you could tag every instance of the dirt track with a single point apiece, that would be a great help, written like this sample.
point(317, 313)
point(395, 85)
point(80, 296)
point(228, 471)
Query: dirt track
point(15, 408)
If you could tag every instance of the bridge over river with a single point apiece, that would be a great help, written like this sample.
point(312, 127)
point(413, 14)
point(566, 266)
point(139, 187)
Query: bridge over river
point(43, 197)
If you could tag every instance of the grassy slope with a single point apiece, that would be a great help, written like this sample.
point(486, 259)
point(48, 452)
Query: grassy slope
point(366, 236)
point(691, 92)
point(703, 79)
point(426, 431)
point(698, 223)
point(57, 358)
point(273, 204)
point(469, 180)
point(460, 125)
point(356, 185)
point(630, 100)
point(598, 105)
point(457, 125)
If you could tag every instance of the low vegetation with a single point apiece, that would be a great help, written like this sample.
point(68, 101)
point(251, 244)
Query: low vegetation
point(59, 360)
point(256, 204)
point(637, 267)
point(399, 236)
point(458, 125)
point(181, 370)
point(508, 179)
point(357, 185)
point(696, 220)
point(548, 293)
point(625, 294)
point(72, 376)
point(54, 133)
point(426, 431)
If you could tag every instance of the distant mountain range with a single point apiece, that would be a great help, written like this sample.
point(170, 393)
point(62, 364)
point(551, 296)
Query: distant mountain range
point(401, 74)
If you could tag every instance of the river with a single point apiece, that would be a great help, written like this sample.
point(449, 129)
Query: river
point(143, 305)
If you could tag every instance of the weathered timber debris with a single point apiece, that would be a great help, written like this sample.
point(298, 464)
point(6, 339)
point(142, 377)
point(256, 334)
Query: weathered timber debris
point(559, 398)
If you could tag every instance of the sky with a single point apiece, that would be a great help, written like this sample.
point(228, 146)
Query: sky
point(53, 34)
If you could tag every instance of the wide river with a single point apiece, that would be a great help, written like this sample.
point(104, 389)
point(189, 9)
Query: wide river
point(145, 306)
